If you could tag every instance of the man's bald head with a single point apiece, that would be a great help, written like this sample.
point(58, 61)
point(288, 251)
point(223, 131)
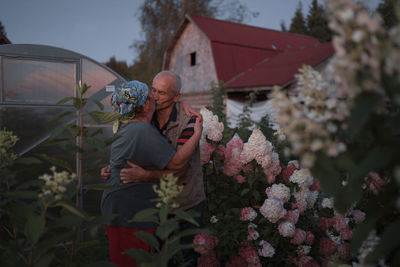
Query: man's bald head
point(173, 78)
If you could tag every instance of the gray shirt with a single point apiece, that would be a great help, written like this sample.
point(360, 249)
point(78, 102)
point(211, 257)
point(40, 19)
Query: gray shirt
point(143, 145)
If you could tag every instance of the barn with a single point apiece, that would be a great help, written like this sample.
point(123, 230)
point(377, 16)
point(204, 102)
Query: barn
point(204, 51)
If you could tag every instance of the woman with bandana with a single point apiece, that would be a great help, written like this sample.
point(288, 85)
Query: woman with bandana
point(140, 143)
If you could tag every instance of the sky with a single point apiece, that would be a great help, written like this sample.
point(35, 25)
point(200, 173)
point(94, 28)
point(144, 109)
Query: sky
point(101, 29)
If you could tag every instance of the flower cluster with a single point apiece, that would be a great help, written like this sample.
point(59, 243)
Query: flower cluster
point(204, 244)
point(212, 128)
point(55, 186)
point(168, 190)
point(7, 141)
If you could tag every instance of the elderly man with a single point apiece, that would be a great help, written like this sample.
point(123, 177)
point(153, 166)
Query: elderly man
point(173, 123)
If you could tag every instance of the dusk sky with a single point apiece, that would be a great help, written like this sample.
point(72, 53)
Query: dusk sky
point(101, 29)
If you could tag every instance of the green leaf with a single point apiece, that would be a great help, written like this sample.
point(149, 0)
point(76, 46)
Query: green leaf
point(139, 254)
point(30, 183)
point(82, 90)
point(58, 162)
point(50, 242)
point(34, 228)
point(79, 103)
point(95, 142)
point(99, 104)
point(27, 160)
point(165, 229)
point(64, 100)
point(72, 148)
point(106, 116)
point(146, 215)
point(71, 209)
point(22, 194)
point(52, 142)
point(97, 132)
point(60, 116)
point(163, 213)
point(389, 240)
point(148, 238)
point(189, 232)
point(364, 106)
point(361, 232)
point(45, 260)
point(244, 191)
point(59, 130)
point(185, 216)
point(324, 170)
point(65, 221)
point(96, 119)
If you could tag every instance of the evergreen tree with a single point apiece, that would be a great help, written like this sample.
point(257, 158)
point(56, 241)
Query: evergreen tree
point(317, 23)
point(2, 29)
point(119, 67)
point(283, 26)
point(298, 23)
point(160, 19)
point(388, 12)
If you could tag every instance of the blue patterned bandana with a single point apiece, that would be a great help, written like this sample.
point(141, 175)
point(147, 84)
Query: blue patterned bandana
point(128, 98)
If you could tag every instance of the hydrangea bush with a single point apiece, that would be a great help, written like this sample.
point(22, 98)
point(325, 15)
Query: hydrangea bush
point(264, 212)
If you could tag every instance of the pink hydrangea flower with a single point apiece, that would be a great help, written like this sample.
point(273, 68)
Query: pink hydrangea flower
point(233, 164)
point(327, 247)
point(205, 242)
point(306, 261)
point(206, 150)
point(375, 182)
point(248, 214)
point(358, 216)
point(209, 260)
point(236, 261)
point(339, 223)
point(235, 144)
point(292, 216)
point(309, 238)
point(346, 233)
point(344, 251)
point(299, 237)
point(287, 229)
point(324, 223)
point(288, 171)
point(240, 179)
point(250, 255)
point(316, 186)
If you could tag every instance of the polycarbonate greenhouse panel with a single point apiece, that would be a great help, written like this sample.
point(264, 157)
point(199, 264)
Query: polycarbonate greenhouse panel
point(37, 81)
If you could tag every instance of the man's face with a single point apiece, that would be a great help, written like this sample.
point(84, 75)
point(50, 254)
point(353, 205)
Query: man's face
point(163, 93)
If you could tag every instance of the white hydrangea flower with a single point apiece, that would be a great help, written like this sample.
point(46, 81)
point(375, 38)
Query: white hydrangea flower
point(312, 198)
point(273, 210)
point(212, 128)
point(302, 177)
point(278, 191)
point(257, 148)
point(213, 219)
point(327, 203)
point(267, 249)
point(303, 250)
point(287, 229)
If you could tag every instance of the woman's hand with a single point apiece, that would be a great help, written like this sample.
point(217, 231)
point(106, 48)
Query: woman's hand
point(133, 174)
point(105, 173)
point(198, 126)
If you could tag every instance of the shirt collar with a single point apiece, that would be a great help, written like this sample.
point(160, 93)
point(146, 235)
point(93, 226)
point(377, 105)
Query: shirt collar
point(172, 117)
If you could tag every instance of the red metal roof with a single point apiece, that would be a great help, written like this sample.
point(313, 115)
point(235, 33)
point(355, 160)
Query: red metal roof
point(280, 69)
point(245, 35)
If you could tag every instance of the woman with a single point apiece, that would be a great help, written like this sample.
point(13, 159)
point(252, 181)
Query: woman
point(140, 143)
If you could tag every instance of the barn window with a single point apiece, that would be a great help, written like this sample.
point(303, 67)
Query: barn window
point(193, 59)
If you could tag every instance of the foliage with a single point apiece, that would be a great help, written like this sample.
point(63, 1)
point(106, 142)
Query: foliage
point(317, 22)
point(42, 223)
point(2, 29)
point(387, 9)
point(166, 243)
point(120, 67)
point(345, 126)
point(298, 23)
point(160, 19)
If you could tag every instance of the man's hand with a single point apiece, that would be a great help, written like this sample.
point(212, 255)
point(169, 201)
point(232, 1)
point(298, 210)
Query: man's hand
point(133, 174)
point(105, 173)
point(188, 111)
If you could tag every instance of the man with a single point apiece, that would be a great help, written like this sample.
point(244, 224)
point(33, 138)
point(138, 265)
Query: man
point(172, 122)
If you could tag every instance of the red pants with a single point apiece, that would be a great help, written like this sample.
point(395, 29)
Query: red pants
point(123, 238)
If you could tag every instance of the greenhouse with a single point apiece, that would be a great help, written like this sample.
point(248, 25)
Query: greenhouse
point(33, 78)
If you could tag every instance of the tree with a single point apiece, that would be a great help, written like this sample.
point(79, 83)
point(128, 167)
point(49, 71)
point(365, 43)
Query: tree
point(161, 18)
point(119, 67)
point(388, 12)
point(298, 23)
point(317, 23)
point(2, 29)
